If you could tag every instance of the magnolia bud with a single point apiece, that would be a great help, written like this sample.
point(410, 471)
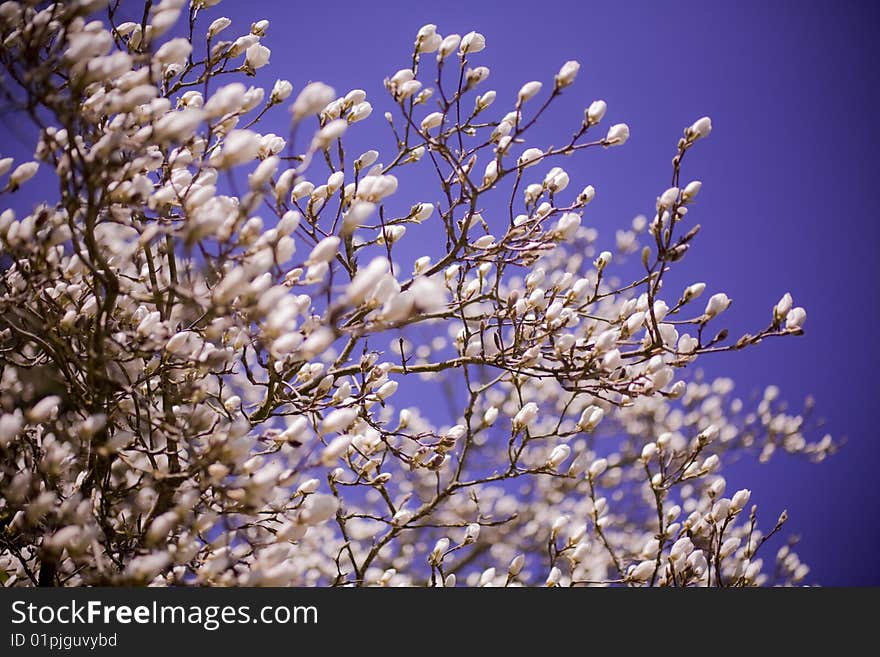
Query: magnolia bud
point(427, 39)
point(440, 547)
point(240, 146)
point(740, 499)
point(668, 198)
point(693, 291)
point(795, 318)
point(472, 42)
point(597, 468)
point(530, 157)
point(43, 410)
point(448, 46)
point(338, 420)
point(729, 547)
point(22, 173)
point(558, 456)
point(527, 91)
point(617, 135)
point(324, 251)
point(691, 190)
point(596, 111)
point(281, 91)
point(516, 565)
point(642, 572)
point(602, 261)
point(257, 56)
point(526, 415)
point(433, 120)
point(567, 74)
point(717, 304)
point(700, 128)
point(218, 26)
point(311, 100)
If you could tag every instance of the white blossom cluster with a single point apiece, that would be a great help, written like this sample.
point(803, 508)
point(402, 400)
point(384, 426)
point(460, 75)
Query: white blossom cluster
point(203, 328)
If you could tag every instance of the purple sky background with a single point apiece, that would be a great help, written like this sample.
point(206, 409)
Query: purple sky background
point(788, 202)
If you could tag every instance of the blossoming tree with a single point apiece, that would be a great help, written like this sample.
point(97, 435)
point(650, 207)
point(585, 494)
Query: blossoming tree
point(203, 328)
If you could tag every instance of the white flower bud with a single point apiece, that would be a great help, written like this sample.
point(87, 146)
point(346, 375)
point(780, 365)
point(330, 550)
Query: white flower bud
point(440, 548)
point(525, 416)
point(596, 111)
point(693, 291)
point(264, 172)
point(597, 468)
point(527, 91)
point(311, 100)
point(617, 135)
point(427, 39)
point(280, 91)
point(691, 190)
point(485, 100)
point(421, 212)
point(795, 318)
point(491, 173)
point(781, 309)
point(642, 572)
point(325, 250)
point(516, 565)
point(22, 173)
point(740, 499)
point(10, 425)
point(329, 133)
point(308, 487)
point(240, 146)
point(530, 157)
point(558, 456)
point(681, 548)
point(318, 509)
point(717, 304)
point(366, 159)
point(433, 120)
point(591, 416)
point(218, 25)
point(472, 42)
point(667, 199)
point(602, 261)
point(700, 128)
point(257, 56)
point(338, 420)
point(567, 74)
point(387, 389)
point(587, 195)
point(490, 416)
point(711, 463)
point(448, 46)
point(335, 449)
point(421, 265)
point(729, 547)
point(356, 216)
point(44, 410)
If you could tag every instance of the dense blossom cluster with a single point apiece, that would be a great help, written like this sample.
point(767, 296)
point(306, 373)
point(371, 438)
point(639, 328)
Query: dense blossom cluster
point(203, 328)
